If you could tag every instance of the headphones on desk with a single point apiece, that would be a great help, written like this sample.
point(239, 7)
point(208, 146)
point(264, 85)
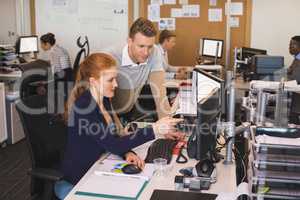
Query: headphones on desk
point(203, 168)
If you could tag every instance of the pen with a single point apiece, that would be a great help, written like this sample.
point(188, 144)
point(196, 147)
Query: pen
point(100, 173)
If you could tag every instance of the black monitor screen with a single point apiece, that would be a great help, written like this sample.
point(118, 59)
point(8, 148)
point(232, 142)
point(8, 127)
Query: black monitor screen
point(250, 52)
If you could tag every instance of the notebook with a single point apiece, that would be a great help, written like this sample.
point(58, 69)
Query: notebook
point(104, 183)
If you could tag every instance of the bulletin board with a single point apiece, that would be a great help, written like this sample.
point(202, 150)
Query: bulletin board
point(190, 30)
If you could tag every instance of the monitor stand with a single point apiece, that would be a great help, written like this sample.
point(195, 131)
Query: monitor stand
point(26, 58)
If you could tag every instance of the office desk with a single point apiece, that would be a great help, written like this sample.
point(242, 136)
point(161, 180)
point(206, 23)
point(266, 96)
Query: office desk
point(12, 75)
point(226, 178)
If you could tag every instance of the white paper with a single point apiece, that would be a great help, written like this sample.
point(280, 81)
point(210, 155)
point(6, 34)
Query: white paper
point(106, 185)
point(292, 83)
point(190, 10)
point(215, 15)
point(187, 101)
point(62, 3)
point(159, 2)
point(236, 8)
point(234, 22)
point(212, 2)
point(176, 12)
point(266, 139)
point(154, 12)
point(169, 1)
point(183, 2)
point(167, 23)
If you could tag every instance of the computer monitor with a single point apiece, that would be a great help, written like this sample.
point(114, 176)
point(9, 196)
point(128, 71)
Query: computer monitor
point(212, 47)
point(27, 44)
point(247, 69)
point(250, 52)
point(210, 104)
point(268, 67)
point(202, 142)
point(203, 83)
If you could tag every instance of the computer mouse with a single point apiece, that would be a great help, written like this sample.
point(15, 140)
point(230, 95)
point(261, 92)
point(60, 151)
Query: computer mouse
point(132, 127)
point(131, 169)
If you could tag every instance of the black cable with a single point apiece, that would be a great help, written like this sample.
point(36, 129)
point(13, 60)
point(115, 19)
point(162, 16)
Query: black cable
point(181, 156)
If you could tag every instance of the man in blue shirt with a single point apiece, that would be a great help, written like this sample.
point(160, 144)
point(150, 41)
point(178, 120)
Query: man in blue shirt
point(294, 74)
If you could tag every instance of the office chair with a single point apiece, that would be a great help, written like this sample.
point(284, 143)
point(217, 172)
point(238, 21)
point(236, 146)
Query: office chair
point(31, 81)
point(46, 136)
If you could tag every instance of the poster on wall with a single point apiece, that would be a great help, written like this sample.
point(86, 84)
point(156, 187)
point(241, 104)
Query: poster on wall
point(212, 2)
point(170, 2)
point(215, 15)
point(154, 12)
point(191, 11)
point(234, 22)
point(159, 2)
point(236, 8)
point(183, 2)
point(167, 23)
point(176, 12)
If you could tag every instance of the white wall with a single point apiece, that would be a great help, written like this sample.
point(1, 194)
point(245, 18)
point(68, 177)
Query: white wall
point(274, 22)
point(23, 23)
point(8, 21)
point(105, 22)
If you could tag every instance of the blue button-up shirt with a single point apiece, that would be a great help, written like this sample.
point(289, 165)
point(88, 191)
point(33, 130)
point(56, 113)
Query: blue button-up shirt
point(297, 56)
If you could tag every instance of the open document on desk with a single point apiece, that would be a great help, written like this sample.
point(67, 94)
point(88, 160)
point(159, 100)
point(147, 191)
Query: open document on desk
point(202, 87)
point(104, 183)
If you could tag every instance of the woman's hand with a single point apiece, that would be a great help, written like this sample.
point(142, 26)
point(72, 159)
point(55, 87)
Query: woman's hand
point(134, 159)
point(166, 126)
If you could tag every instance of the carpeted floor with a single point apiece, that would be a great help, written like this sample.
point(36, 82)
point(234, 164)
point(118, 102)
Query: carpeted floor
point(14, 163)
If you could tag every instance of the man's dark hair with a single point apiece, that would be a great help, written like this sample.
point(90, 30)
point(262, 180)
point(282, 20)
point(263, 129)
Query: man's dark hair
point(143, 26)
point(48, 38)
point(164, 35)
point(297, 39)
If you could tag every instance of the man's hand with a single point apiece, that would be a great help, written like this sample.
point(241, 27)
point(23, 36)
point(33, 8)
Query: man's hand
point(134, 159)
point(166, 127)
point(181, 73)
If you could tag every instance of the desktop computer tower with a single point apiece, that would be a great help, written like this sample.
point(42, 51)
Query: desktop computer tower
point(14, 124)
point(3, 124)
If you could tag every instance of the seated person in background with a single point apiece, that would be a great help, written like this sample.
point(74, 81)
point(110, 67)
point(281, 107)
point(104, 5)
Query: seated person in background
point(93, 126)
point(294, 74)
point(59, 58)
point(167, 40)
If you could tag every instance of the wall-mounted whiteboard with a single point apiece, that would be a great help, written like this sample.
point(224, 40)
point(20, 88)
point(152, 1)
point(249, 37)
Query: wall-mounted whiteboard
point(105, 22)
point(273, 25)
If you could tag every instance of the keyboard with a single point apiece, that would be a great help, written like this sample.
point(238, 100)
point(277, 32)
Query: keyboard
point(161, 148)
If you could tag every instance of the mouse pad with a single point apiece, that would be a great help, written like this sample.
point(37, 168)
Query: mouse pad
point(178, 195)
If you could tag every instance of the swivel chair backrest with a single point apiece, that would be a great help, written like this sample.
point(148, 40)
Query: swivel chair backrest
point(26, 83)
point(80, 54)
point(46, 136)
point(46, 133)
